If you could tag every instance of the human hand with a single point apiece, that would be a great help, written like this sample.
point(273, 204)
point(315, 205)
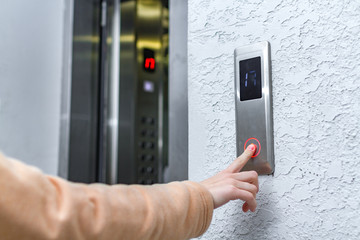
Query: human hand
point(230, 184)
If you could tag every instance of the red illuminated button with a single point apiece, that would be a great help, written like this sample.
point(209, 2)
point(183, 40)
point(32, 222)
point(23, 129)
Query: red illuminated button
point(257, 144)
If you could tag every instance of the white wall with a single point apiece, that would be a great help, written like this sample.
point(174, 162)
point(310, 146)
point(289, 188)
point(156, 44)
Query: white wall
point(31, 46)
point(314, 193)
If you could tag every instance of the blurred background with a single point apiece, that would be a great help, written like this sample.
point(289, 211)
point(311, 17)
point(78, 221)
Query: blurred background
point(95, 90)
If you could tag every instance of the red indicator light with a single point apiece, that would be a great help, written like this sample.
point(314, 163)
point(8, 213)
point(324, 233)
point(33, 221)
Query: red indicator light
point(256, 142)
point(150, 63)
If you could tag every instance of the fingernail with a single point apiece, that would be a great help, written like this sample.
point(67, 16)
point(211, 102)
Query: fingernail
point(251, 147)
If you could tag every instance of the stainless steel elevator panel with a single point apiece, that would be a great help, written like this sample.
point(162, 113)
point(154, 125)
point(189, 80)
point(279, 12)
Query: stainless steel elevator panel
point(253, 102)
point(143, 92)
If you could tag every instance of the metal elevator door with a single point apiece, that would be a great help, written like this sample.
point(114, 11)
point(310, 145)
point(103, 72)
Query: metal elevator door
point(119, 92)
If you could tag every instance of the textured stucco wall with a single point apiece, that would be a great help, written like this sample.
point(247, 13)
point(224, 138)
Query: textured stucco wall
point(315, 191)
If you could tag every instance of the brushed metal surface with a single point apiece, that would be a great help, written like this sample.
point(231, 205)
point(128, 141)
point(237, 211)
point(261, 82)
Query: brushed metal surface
point(83, 139)
point(128, 84)
point(254, 117)
point(143, 114)
point(65, 115)
point(114, 14)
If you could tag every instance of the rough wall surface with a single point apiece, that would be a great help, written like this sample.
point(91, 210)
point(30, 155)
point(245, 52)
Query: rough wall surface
point(315, 191)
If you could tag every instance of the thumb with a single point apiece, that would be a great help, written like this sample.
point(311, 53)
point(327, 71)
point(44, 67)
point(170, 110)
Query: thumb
point(240, 162)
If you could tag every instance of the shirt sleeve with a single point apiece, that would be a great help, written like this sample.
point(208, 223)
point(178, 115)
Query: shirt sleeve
point(36, 206)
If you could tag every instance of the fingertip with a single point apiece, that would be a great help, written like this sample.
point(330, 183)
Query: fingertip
point(251, 150)
point(254, 207)
point(251, 147)
point(253, 210)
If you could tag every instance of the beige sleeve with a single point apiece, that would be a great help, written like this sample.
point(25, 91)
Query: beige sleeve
point(36, 206)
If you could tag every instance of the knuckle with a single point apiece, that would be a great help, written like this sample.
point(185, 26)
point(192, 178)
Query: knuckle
point(233, 189)
point(254, 174)
point(254, 189)
point(248, 154)
point(232, 182)
point(249, 197)
point(228, 175)
point(234, 175)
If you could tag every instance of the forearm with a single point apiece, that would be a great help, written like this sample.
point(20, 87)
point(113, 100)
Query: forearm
point(34, 206)
point(172, 211)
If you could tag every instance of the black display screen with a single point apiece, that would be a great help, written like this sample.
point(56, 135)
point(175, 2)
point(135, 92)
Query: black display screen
point(250, 79)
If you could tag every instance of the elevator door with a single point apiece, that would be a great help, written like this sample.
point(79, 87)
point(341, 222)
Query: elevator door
point(119, 92)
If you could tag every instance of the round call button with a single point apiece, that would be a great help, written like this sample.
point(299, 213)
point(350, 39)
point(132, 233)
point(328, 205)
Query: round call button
point(257, 144)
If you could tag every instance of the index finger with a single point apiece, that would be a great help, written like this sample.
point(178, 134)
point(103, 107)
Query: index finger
point(240, 161)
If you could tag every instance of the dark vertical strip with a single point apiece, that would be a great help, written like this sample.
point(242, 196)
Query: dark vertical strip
point(128, 75)
point(102, 108)
point(83, 137)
